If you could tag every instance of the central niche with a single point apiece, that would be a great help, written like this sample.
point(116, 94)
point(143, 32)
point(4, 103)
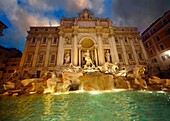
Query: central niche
point(87, 43)
point(87, 46)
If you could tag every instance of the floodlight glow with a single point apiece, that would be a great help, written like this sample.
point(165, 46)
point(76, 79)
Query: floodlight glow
point(167, 52)
point(94, 92)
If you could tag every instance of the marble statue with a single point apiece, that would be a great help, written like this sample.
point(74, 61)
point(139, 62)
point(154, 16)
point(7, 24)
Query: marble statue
point(98, 22)
point(75, 21)
point(88, 60)
point(67, 57)
point(107, 55)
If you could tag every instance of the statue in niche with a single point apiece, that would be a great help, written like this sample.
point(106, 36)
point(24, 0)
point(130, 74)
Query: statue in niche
point(88, 60)
point(107, 55)
point(67, 57)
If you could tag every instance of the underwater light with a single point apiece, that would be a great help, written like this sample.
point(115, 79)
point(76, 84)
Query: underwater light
point(161, 91)
point(168, 52)
point(94, 92)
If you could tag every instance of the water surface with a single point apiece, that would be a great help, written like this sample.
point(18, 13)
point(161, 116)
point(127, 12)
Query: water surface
point(104, 106)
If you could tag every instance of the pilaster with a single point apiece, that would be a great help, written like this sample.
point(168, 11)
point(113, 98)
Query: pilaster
point(124, 52)
point(25, 52)
point(75, 49)
point(36, 52)
point(134, 51)
point(48, 51)
point(114, 52)
point(60, 54)
point(143, 49)
point(100, 49)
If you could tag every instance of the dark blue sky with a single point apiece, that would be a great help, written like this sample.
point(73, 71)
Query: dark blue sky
point(19, 15)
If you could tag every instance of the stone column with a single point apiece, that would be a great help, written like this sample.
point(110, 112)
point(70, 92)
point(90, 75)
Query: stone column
point(47, 55)
point(114, 53)
point(95, 52)
point(25, 52)
point(79, 57)
point(36, 52)
point(100, 50)
point(75, 49)
point(60, 54)
point(143, 50)
point(133, 50)
point(124, 52)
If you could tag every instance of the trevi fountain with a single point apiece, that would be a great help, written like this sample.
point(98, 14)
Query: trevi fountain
point(108, 92)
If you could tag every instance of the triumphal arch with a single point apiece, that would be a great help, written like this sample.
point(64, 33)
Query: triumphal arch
point(81, 41)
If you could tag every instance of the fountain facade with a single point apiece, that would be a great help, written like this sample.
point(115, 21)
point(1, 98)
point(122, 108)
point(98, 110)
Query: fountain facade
point(84, 41)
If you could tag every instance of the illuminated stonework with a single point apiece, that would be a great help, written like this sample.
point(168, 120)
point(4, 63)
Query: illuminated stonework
point(48, 48)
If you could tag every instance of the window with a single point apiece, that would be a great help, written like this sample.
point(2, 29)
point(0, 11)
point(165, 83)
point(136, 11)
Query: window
point(120, 56)
point(145, 38)
point(40, 59)
point(55, 40)
point(151, 32)
point(11, 71)
point(168, 31)
point(140, 56)
point(13, 64)
point(130, 56)
point(28, 60)
point(33, 40)
point(157, 38)
point(165, 21)
point(154, 60)
point(154, 30)
point(116, 40)
point(44, 40)
point(162, 47)
point(151, 52)
point(148, 44)
point(125, 39)
point(52, 58)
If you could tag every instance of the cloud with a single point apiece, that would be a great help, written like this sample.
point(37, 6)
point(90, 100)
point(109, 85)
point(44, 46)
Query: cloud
point(21, 20)
point(71, 7)
point(25, 13)
point(139, 13)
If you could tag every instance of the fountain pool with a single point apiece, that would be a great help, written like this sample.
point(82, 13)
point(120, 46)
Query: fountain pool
point(98, 106)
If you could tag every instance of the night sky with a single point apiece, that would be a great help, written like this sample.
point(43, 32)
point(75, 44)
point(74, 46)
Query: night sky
point(19, 15)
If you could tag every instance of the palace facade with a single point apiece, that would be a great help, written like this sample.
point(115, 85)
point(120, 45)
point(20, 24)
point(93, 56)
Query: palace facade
point(156, 40)
point(48, 48)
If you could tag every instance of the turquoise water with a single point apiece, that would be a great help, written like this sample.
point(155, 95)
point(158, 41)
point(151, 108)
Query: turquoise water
point(106, 106)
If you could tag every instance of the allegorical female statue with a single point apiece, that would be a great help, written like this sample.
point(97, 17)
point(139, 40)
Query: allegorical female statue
point(107, 55)
point(67, 57)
